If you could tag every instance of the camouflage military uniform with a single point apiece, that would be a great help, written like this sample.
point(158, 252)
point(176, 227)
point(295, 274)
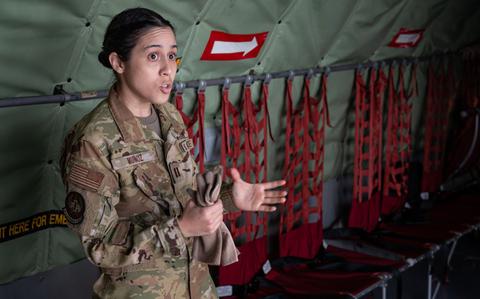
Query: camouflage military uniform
point(126, 186)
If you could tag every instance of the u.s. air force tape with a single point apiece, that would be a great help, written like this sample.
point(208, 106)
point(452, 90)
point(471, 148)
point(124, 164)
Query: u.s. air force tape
point(74, 208)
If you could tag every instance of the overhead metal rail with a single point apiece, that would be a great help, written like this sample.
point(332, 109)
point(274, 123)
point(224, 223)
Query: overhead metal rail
point(63, 97)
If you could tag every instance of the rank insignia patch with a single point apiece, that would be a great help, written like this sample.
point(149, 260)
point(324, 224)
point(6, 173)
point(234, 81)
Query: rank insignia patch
point(74, 208)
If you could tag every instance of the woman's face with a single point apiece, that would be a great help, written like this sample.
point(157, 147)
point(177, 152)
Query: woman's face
point(147, 77)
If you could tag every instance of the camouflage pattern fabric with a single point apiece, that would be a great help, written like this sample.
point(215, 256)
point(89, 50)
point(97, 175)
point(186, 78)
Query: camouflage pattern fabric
point(126, 187)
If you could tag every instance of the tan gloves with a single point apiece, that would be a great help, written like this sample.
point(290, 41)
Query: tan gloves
point(217, 248)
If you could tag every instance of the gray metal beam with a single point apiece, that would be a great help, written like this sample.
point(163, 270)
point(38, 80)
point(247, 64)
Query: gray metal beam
point(80, 96)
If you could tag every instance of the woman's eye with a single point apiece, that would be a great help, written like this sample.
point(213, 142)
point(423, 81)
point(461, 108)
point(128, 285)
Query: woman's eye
point(153, 56)
point(172, 56)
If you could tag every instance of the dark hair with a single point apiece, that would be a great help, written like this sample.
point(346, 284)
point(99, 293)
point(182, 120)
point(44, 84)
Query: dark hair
point(125, 29)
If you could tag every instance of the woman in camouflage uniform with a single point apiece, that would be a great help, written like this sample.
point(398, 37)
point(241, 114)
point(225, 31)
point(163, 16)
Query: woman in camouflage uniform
point(127, 168)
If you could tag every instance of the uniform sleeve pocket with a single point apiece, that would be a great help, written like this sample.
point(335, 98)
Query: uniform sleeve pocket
point(121, 233)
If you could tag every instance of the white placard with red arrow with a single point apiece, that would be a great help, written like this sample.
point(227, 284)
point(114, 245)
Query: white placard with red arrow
point(226, 46)
point(406, 38)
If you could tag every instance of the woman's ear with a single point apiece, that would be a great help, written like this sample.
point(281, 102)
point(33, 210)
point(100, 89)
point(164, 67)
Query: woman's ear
point(117, 64)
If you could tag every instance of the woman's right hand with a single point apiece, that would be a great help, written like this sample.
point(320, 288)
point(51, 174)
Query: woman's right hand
point(200, 221)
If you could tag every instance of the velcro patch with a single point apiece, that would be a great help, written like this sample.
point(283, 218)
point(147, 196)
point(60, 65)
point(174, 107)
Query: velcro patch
point(74, 208)
point(185, 145)
point(133, 159)
point(86, 178)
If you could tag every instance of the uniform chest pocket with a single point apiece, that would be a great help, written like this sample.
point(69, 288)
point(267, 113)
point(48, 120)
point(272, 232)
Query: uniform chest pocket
point(155, 183)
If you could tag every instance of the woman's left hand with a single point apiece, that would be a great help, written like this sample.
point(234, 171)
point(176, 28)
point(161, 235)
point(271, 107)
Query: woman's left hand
point(256, 197)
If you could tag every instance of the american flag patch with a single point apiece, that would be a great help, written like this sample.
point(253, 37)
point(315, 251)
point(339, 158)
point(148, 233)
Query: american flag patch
point(86, 178)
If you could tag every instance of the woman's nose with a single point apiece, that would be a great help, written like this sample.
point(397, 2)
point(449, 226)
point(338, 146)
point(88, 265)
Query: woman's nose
point(166, 68)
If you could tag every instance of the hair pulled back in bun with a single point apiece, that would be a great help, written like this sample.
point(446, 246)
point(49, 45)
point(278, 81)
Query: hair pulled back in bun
point(124, 31)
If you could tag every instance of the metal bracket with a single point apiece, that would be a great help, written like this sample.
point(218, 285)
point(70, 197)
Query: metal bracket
point(291, 75)
point(226, 83)
point(179, 87)
point(248, 80)
point(202, 85)
point(328, 70)
point(268, 79)
point(310, 73)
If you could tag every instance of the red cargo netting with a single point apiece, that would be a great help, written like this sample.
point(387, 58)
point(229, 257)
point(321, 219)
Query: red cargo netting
point(440, 94)
point(470, 83)
point(464, 147)
point(399, 142)
point(244, 138)
point(244, 146)
point(367, 173)
point(195, 122)
point(300, 221)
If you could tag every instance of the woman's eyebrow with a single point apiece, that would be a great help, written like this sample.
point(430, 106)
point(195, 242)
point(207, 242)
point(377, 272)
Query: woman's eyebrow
point(159, 46)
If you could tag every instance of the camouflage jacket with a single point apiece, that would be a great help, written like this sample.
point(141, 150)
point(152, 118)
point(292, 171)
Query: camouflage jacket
point(126, 186)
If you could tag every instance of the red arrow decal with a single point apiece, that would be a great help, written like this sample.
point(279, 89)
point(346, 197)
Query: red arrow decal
point(406, 38)
point(225, 46)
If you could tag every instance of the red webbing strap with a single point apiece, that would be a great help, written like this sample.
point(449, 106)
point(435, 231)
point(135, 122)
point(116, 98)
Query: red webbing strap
point(228, 133)
point(303, 173)
point(319, 138)
point(249, 127)
point(391, 147)
point(257, 132)
point(244, 146)
point(440, 92)
point(291, 179)
point(243, 137)
point(186, 119)
point(365, 209)
point(267, 128)
point(406, 124)
point(198, 118)
point(325, 113)
point(398, 147)
point(201, 130)
point(413, 85)
point(378, 98)
point(428, 136)
point(470, 83)
point(288, 129)
point(463, 151)
point(360, 108)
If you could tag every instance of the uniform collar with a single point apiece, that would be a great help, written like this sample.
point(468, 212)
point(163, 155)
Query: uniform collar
point(129, 126)
point(165, 121)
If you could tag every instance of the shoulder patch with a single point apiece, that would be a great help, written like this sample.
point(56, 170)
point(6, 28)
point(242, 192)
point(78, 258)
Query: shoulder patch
point(74, 208)
point(85, 178)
